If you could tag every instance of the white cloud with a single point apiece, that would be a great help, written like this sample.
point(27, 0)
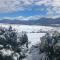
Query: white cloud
point(53, 6)
point(56, 3)
point(26, 18)
point(14, 5)
point(42, 2)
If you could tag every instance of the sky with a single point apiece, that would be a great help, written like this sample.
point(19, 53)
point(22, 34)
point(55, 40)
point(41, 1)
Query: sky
point(29, 9)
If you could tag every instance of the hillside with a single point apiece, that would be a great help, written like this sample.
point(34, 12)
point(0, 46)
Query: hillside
point(41, 21)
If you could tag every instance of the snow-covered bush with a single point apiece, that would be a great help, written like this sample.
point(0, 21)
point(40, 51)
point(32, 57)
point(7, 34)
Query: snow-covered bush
point(12, 45)
point(50, 46)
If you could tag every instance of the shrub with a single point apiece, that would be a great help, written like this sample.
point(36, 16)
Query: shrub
point(50, 45)
point(11, 45)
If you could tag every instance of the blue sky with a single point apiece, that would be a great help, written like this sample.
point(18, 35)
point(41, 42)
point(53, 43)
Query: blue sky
point(16, 8)
point(30, 11)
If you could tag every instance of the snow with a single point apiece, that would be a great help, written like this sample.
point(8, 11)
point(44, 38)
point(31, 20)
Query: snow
point(34, 38)
point(34, 55)
point(28, 28)
point(6, 52)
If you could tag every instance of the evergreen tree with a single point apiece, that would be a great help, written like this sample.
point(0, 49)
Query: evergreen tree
point(9, 42)
point(50, 45)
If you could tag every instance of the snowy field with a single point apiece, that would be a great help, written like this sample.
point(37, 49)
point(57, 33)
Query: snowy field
point(28, 28)
point(34, 34)
point(34, 38)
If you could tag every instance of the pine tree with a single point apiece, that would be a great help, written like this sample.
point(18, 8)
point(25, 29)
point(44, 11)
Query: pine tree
point(9, 41)
point(50, 45)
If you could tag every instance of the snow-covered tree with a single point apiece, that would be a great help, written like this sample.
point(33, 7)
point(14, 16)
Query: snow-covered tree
point(50, 46)
point(11, 46)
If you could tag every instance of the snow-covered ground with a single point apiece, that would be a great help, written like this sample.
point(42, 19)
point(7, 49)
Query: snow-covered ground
point(34, 38)
point(28, 28)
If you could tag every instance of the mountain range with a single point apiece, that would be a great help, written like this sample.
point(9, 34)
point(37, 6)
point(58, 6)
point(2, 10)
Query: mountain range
point(41, 21)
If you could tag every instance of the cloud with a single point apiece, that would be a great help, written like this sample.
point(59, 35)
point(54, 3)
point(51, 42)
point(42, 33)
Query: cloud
point(19, 5)
point(26, 18)
point(53, 6)
point(14, 5)
point(42, 2)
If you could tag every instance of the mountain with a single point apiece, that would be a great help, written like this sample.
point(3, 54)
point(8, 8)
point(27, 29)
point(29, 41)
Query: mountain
point(41, 21)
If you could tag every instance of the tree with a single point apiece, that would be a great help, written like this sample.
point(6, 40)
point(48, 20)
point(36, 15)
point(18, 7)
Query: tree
point(10, 42)
point(50, 45)
point(24, 39)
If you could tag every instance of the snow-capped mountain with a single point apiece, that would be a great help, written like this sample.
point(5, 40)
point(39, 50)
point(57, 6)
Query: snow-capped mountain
point(40, 21)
